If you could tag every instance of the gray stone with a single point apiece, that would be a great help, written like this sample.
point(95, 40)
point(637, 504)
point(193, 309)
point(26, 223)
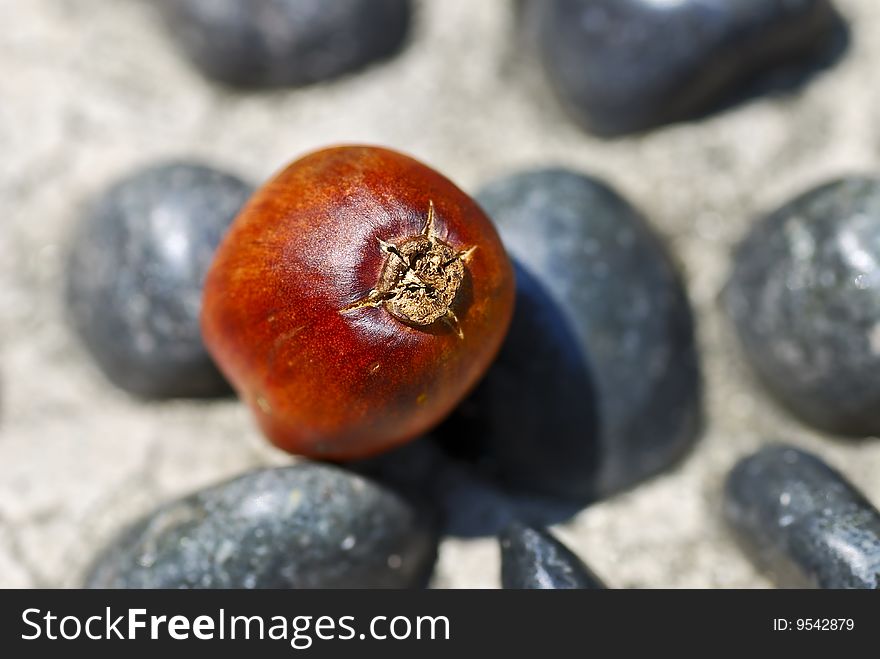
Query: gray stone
point(804, 297)
point(533, 559)
point(305, 526)
point(627, 65)
point(597, 385)
point(135, 273)
point(803, 522)
point(266, 43)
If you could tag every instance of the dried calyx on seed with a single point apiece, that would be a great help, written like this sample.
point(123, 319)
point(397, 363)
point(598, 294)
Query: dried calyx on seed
point(420, 279)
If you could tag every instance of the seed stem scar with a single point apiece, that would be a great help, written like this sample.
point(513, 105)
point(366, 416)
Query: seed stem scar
point(420, 278)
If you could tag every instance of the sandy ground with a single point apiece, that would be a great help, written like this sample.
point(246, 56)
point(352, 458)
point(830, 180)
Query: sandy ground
point(90, 89)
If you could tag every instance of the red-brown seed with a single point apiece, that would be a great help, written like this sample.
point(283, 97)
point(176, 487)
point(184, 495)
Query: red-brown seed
point(356, 299)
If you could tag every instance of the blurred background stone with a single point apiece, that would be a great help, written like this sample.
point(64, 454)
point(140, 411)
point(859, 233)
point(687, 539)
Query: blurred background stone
point(135, 272)
point(629, 65)
point(305, 526)
point(597, 385)
point(803, 521)
point(274, 43)
point(533, 559)
point(804, 296)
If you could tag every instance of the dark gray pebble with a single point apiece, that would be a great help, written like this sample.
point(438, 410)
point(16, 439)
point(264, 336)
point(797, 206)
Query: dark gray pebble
point(135, 273)
point(533, 559)
point(268, 43)
point(627, 65)
point(804, 297)
point(305, 526)
point(597, 385)
point(803, 522)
